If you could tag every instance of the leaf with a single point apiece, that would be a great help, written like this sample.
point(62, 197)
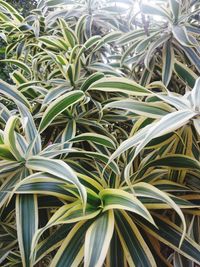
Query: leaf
point(181, 35)
point(170, 234)
point(52, 241)
point(196, 123)
point(58, 168)
point(12, 93)
point(175, 161)
point(90, 80)
point(149, 110)
point(30, 130)
point(119, 199)
point(55, 92)
point(58, 106)
point(167, 124)
point(5, 153)
point(168, 62)
point(27, 223)
point(187, 75)
point(68, 133)
point(136, 251)
point(143, 44)
point(12, 11)
point(97, 239)
point(155, 10)
point(121, 85)
point(175, 7)
point(147, 190)
point(195, 96)
point(153, 46)
point(193, 56)
point(71, 251)
point(10, 137)
point(19, 64)
point(96, 138)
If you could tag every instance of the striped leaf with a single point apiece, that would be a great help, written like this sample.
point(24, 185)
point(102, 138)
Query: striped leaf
point(168, 62)
point(10, 92)
point(68, 133)
point(135, 249)
point(71, 251)
point(58, 168)
point(119, 199)
point(19, 64)
point(180, 33)
point(97, 239)
point(186, 74)
point(5, 153)
point(96, 138)
point(58, 106)
point(121, 85)
point(30, 130)
point(27, 224)
point(10, 139)
point(151, 50)
point(150, 110)
point(145, 190)
point(170, 234)
point(195, 96)
point(175, 6)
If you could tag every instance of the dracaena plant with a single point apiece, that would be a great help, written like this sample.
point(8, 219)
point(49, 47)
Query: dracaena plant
point(163, 43)
point(96, 169)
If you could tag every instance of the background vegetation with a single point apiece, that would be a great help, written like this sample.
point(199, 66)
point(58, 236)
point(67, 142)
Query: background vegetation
point(99, 139)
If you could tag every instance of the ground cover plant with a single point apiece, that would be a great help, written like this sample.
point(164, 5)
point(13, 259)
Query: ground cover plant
point(99, 134)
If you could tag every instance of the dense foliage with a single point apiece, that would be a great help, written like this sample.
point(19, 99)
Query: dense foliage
point(99, 134)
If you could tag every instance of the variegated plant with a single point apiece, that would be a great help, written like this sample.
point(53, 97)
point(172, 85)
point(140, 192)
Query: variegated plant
point(99, 159)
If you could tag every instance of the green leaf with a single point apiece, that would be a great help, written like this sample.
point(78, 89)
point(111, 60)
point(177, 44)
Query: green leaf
point(170, 234)
point(195, 96)
point(168, 62)
point(98, 239)
point(90, 80)
point(71, 251)
point(153, 46)
point(58, 168)
point(27, 224)
point(30, 130)
point(96, 138)
point(185, 73)
point(150, 110)
point(68, 133)
point(10, 139)
point(119, 199)
point(19, 64)
point(58, 106)
point(52, 241)
point(121, 85)
point(147, 190)
point(5, 153)
point(12, 93)
point(175, 162)
point(135, 249)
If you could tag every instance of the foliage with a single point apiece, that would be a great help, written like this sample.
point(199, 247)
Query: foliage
point(99, 139)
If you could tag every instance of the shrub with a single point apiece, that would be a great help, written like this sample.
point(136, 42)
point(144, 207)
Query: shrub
point(99, 139)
